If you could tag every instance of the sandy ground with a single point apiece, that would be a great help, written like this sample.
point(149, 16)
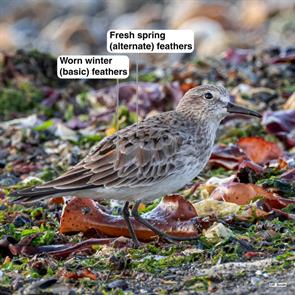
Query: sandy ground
point(228, 278)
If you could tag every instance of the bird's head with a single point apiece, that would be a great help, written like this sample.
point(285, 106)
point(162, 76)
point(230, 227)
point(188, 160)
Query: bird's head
point(210, 101)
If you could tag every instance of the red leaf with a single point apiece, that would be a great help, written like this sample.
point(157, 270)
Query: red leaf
point(284, 59)
point(174, 215)
point(251, 254)
point(85, 273)
point(259, 150)
point(57, 200)
point(242, 194)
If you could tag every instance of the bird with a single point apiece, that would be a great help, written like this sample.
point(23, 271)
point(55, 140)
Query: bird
point(149, 159)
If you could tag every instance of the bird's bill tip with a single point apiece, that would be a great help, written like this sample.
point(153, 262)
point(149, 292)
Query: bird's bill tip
point(236, 109)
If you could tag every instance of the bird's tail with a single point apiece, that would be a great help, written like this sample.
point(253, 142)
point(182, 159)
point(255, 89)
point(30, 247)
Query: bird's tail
point(33, 194)
point(44, 191)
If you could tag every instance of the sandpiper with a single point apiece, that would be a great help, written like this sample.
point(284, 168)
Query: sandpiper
point(147, 160)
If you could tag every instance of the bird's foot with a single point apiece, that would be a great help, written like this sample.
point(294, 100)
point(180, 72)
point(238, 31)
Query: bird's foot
point(135, 244)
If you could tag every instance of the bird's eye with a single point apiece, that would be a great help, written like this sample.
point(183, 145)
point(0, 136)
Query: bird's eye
point(208, 95)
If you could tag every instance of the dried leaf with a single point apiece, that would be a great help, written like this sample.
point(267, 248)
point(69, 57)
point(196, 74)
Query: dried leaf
point(284, 215)
point(217, 208)
point(242, 194)
point(217, 232)
point(58, 251)
point(290, 103)
point(288, 176)
point(259, 150)
point(228, 157)
point(57, 200)
point(251, 254)
point(284, 59)
point(239, 193)
point(85, 273)
point(282, 125)
point(174, 215)
point(251, 212)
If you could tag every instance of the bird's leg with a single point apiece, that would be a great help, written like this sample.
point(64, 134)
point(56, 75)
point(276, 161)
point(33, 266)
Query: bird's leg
point(160, 233)
point(126, 216)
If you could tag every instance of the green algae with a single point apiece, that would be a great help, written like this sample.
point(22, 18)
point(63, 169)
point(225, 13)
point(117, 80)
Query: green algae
point(22, 98)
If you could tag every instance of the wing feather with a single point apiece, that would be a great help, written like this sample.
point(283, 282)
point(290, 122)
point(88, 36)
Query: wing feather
point(128, 158)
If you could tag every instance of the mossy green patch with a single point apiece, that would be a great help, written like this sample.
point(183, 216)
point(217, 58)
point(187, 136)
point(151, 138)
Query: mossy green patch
point(22, 98)
point(90, 139)
point(198, 283)
point(44, 126)
point(156, 260)
point(123, 118)
point(233, 134)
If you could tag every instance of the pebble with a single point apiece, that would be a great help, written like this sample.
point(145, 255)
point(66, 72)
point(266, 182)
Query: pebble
point(121, 284)
point(17, 284)
point(21, 220)
point(3, 154)
point(8, 180)
point(3, 207)
point(255, 281)
point(44, 284)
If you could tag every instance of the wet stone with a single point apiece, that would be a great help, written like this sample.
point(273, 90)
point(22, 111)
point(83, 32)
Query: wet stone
point(21, 220)
point(3, 155)
point(11, 158)
point(8, 180)
point(3, 207)
point(264, 96)
point(44, 284)
point(120, 284)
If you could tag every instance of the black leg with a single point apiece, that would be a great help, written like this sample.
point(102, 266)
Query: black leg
point(160, 233)
point(126, 215)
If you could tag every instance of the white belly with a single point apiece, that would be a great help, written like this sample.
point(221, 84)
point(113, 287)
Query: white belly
point(145, 193)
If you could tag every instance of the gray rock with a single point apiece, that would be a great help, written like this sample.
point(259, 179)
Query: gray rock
point(120, 284)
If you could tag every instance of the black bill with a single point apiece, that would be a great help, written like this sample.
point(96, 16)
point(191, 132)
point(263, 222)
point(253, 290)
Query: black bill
point(233, 108)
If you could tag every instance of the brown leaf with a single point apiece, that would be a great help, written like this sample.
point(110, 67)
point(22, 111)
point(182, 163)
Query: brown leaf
point(259, 150)
point(61, 250)
point(290, 103)
point(253, 212)
point(238, 193)
point(174, 215)
point(85, 273)
point(284, 59)
point(251, 166)
point(251, 254)
point(186, 86)
point(242, 194)
point(228, 157)
point(284, 215)
point(57, 200)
